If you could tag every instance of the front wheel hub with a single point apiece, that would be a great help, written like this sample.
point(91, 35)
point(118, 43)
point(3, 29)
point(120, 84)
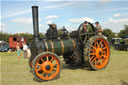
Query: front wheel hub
point(99, 53)
point(47, 67)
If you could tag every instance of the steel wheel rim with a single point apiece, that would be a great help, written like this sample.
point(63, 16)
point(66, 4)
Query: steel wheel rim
point(99, 53)
point(47, 67)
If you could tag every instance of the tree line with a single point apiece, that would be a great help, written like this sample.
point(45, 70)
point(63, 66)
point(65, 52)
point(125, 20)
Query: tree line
point(109, 34)
point(27, 36)
point(106, 32)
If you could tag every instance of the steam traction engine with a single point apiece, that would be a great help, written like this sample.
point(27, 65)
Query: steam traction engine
point(80, 48)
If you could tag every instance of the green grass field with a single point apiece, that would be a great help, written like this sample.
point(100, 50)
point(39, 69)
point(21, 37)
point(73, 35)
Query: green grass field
point(17, 72)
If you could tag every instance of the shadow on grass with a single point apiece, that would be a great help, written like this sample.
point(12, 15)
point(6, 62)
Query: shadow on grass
point(123, 82)
point(66, 66)
point(82, 67)
point(35, 79)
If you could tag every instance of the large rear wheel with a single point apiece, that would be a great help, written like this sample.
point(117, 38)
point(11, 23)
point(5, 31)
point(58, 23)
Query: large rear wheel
point(96, 53)
point(46, 66)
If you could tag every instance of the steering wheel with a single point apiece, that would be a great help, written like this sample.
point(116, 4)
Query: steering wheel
point(82, 36)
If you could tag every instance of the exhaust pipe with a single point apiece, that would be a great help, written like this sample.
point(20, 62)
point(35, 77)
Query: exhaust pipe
point(35, 22)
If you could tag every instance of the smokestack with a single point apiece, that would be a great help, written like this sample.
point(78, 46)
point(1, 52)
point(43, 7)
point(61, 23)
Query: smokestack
point(35, 22)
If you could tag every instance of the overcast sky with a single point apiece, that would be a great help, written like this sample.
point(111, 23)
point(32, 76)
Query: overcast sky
point(16, 16)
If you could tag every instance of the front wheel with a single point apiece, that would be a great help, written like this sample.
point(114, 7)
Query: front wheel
point(46, 66)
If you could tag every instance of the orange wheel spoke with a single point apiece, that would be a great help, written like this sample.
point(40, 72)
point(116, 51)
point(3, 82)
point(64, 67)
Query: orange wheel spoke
point(92, 53)
point(94, 59)
point(39, 64)
point(51, 59)
point(42, 60)
point(105, 57)
point(52, 73)
point(104, 48)
point(93, 50)
point(103, 60)
point(95, 63)
point(97, 44)
point(47, 76)
point(94, 47)
point(98, 62)
point(39, 69)
point(47, 58)
point(54, 68)
point(100, 44)
point(42, 74)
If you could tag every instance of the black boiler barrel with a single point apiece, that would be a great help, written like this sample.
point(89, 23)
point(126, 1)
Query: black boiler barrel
point(60, 46)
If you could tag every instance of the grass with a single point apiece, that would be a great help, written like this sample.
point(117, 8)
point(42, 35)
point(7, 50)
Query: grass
point(17, 72)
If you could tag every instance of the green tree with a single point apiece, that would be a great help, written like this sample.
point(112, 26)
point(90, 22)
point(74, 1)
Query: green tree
point(5, 36)
point(42, 35)
point(27, 36)
point(109, 34)
point(59, 32)
point(123, 32)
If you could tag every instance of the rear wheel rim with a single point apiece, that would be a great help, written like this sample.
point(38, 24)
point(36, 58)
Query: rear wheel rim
point(99, 53)
point(47, 67)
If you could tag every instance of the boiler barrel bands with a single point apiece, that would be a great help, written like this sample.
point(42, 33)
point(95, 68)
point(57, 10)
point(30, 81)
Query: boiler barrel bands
point(60, 47)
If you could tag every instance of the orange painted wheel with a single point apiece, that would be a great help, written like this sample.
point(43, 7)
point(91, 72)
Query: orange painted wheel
point(46, 66)
point(98, 53)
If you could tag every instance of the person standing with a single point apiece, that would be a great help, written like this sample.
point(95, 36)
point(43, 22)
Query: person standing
point(85, 29)
point(99, 28)
point(18, 50)
point(25, 47)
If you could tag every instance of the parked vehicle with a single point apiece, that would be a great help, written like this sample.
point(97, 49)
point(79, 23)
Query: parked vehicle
point(13, 40)
point(4, 47)
point(120, 44)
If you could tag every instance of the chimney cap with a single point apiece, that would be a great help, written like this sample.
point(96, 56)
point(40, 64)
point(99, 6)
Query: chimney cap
point(34, 6)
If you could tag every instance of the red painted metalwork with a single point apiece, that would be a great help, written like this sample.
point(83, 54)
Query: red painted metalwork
point(14, 40)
